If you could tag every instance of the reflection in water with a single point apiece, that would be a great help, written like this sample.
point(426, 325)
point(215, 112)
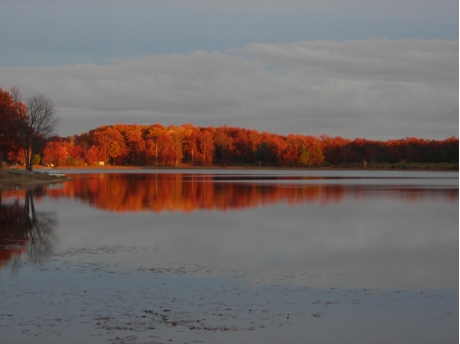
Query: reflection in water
point(189, 192)
point(280, 259)
point(23, 229)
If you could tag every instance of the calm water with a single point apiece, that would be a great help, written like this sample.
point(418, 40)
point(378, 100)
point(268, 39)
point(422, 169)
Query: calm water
point(222, 257)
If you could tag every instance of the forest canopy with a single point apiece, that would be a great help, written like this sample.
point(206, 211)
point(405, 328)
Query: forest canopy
point(187, 145)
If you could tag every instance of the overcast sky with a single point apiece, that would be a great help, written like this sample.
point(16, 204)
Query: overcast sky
point(376, 69)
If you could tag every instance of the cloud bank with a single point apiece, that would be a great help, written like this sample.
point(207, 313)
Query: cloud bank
point(377, 89)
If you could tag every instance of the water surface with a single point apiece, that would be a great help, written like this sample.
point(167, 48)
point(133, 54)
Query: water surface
point(240, 256)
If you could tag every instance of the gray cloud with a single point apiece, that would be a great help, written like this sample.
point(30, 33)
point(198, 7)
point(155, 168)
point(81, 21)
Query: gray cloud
point(402, 60)
point(377, 89)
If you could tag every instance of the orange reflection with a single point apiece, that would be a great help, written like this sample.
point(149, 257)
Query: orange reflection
point(187, 192)
point(21, 228)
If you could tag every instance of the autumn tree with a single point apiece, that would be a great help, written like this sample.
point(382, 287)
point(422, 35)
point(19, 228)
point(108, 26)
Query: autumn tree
point(270, 151)
point(317, 158)
point(176, 135)
point(305, 156)
point(77, 155)
point(206, 146)
point(151, 142)
point(10, 115)
point(110, 142)
point(244, 145)
point(135, 145)
point(188, 132)
point(193, 153)
point(93, 156)
point(55, 153)
point(222, 142)
point(166, 151)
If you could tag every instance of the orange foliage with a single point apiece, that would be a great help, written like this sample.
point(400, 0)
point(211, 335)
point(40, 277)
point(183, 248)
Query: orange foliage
point(137, 145)
point(55, 153)
point(10, 114)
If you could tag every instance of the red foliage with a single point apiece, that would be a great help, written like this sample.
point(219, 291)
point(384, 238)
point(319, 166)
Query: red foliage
point(10, 114)
point(55, 153)
point(137, 145)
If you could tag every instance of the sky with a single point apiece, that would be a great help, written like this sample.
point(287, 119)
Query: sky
point(375, 69)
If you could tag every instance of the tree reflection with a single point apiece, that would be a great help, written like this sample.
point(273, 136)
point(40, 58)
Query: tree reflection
point(121, 192)
point(23, 229)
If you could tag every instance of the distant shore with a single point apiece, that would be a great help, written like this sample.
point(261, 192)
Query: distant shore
point(20, 179)
point(376, 167)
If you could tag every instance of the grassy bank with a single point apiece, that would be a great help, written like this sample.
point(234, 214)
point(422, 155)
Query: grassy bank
point(20, 179)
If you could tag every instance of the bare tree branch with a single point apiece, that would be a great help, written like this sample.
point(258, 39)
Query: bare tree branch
point(39, 123)
point(16, 94)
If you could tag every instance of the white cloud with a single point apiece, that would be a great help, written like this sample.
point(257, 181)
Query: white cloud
point(375, 89)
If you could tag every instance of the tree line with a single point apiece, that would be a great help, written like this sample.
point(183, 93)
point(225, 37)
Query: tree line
point(158, 145)
point(188, 145)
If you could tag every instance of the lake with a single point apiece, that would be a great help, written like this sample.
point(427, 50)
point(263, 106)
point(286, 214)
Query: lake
point(226, 256)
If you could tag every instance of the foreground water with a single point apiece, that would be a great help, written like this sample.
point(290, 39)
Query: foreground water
point(219, 257)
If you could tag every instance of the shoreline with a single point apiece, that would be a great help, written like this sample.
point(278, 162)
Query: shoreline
point(19, 179)
point(425, 167)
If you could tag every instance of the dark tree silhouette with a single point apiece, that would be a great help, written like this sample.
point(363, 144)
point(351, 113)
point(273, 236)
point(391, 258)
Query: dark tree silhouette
point(36, 125)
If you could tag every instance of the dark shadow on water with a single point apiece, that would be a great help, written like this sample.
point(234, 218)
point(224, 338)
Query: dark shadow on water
point(24, 230)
